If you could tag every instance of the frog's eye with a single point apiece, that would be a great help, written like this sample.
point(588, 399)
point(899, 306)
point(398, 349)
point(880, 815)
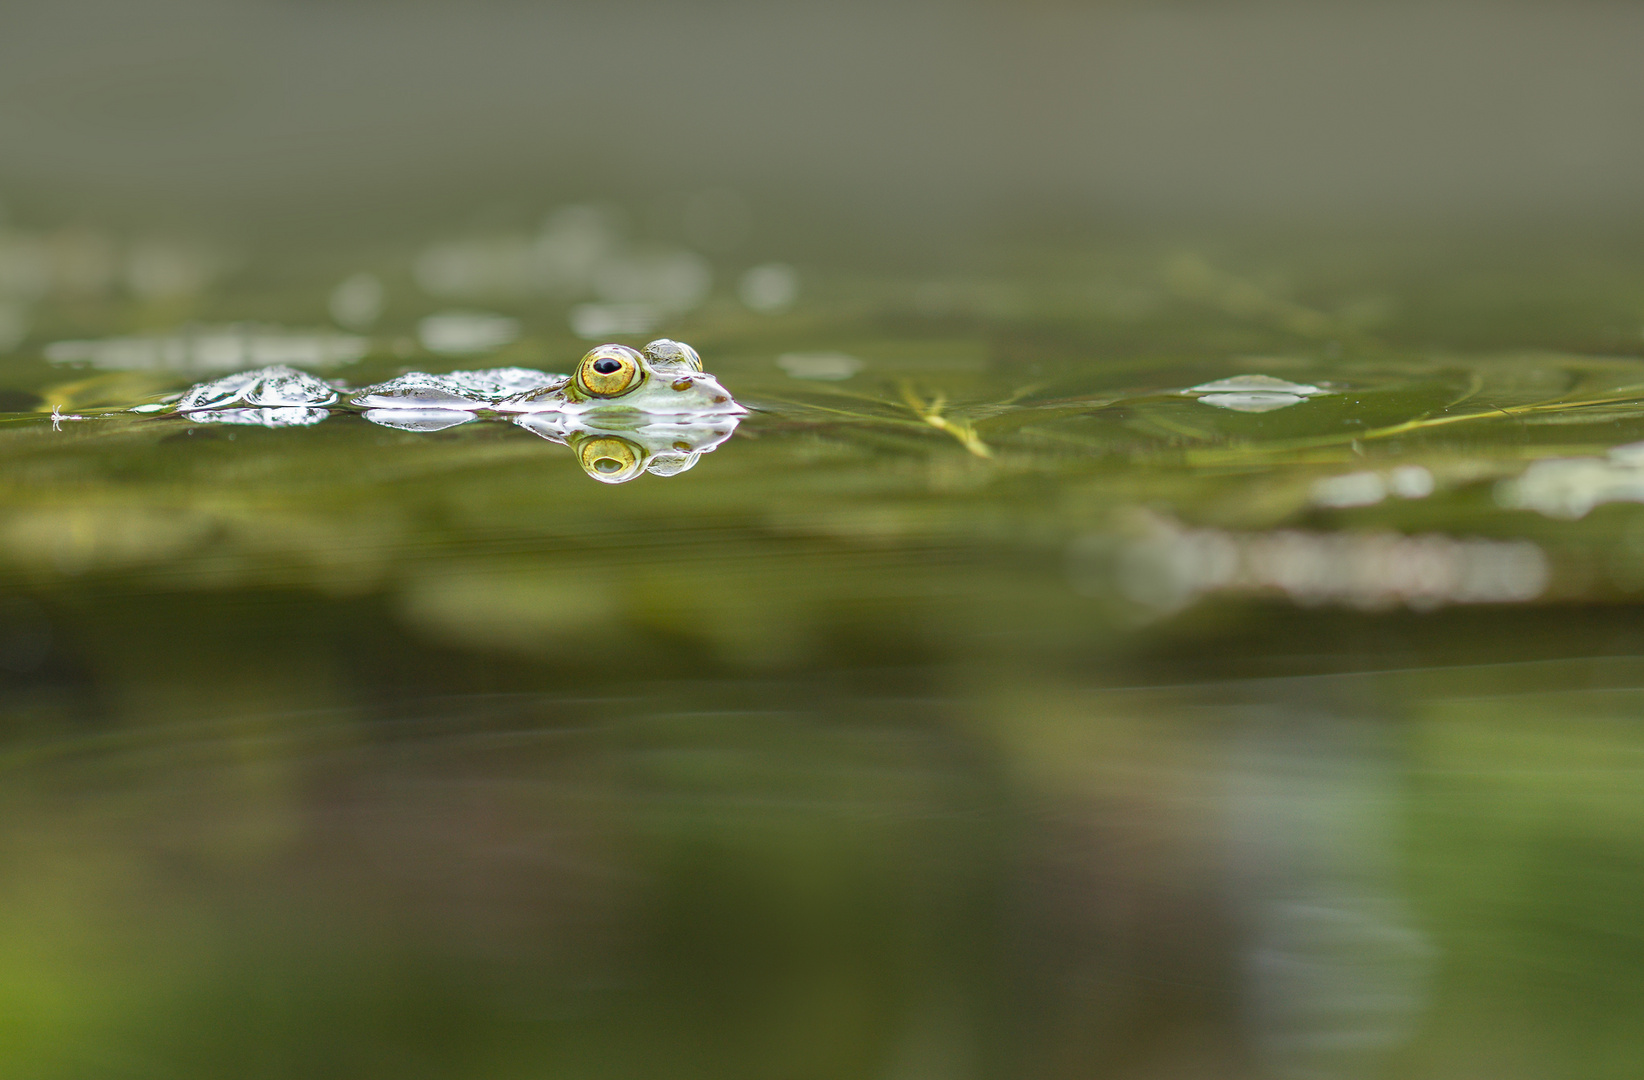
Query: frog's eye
point(609, 370)
point(609, 459)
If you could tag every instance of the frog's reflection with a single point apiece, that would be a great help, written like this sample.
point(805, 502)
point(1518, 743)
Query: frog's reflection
point(614, 455)
point(610, 454)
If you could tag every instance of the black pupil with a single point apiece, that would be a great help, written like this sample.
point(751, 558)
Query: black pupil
point(607, 367)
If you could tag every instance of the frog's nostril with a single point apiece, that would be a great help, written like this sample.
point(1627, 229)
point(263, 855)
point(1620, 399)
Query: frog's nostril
point(682, 384)
point(607, 367)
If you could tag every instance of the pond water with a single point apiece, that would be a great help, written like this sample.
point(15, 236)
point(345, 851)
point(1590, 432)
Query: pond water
point(1108, 660)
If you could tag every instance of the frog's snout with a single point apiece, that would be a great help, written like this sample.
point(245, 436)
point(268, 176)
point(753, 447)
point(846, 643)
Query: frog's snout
point(703, 391)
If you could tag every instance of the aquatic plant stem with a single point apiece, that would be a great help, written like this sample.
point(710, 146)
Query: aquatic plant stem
point(932, 415)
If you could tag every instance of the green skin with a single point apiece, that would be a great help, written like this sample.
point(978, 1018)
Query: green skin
point(671, 382)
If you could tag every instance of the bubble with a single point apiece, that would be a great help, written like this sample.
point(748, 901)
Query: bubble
point(1251, 403)
point(504, 381)
point(458, 390)
point(416, 391)
point(418, 419)
point(1253, 393)
point(270, 387)
point(672, 464)
point(268, 418)
point(1265, 384)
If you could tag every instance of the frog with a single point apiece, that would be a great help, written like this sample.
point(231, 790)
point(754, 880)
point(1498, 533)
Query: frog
point(624, 412)
point(664, 378)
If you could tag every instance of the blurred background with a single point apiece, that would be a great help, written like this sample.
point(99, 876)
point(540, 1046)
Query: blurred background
point(354, 117)
point(995, 702)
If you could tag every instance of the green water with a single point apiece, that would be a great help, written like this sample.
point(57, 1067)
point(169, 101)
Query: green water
point(1001, 709)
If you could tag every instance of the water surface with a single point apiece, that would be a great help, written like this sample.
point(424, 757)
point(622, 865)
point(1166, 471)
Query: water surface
point(1138, 664)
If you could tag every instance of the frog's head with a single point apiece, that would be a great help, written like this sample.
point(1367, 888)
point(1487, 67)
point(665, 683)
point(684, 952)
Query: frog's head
point(667, 378)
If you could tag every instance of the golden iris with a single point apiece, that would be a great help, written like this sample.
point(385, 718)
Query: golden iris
point(609, 370)
point(610, 459)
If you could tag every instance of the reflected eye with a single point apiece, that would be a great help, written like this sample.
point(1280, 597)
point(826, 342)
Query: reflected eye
point(609, 459)
point(609, 370)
